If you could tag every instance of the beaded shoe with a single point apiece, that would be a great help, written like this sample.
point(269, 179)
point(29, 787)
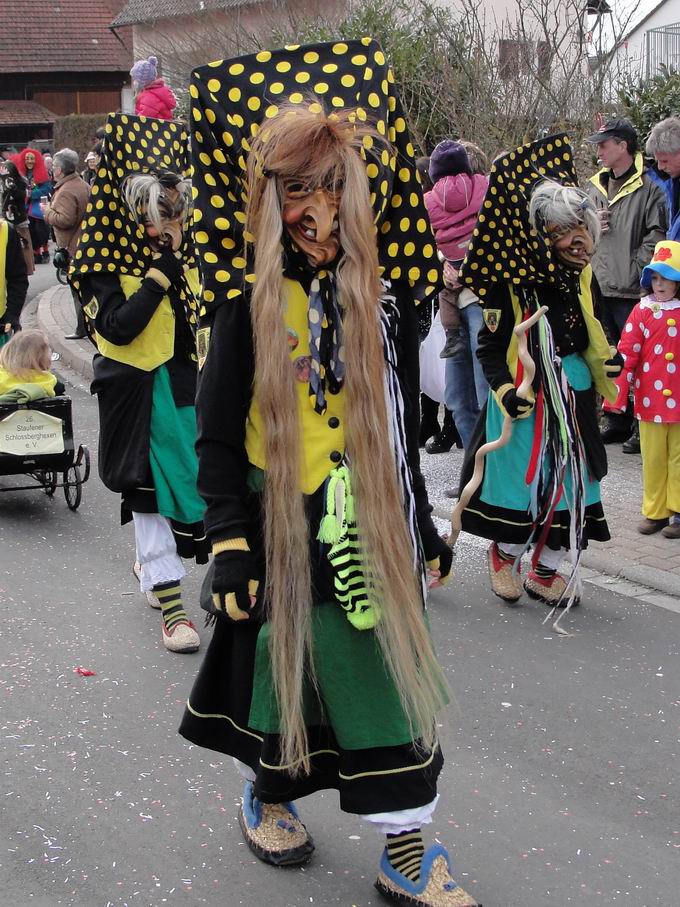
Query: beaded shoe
point(273, 831)
point(436, 887)
point(504, 583)
point(548, 589)
point(182, 638)
point(151, 599)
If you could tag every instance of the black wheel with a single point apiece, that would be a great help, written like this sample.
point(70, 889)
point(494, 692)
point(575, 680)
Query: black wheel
point(73, 487)
point(50, 483)
point(62, 276)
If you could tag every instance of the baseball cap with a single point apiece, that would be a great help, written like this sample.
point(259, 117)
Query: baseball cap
point(615, 128)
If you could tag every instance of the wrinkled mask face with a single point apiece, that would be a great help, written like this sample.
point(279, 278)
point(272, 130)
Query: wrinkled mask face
point(29, 159)
point(310, 215)
point(574, 247)
point(172, 223)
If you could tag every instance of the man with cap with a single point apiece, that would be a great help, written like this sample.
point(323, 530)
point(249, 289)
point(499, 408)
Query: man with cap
point(632, 212)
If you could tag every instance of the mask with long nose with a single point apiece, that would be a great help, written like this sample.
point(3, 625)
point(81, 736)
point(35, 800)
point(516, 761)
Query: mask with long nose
point(310, 215)
point(573, 247)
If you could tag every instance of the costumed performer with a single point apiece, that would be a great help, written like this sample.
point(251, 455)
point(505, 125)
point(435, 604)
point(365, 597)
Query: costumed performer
point(532, 247)
point(321, 672)
point(135, 264)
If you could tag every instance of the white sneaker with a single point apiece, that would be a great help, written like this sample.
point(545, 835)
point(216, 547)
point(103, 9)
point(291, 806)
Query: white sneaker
point(151, 599)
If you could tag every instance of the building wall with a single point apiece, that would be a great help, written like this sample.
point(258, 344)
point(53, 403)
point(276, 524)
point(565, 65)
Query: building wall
point(630, 57)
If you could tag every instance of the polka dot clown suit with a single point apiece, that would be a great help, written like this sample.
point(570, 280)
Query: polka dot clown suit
point(650, 345)
point(315, 249)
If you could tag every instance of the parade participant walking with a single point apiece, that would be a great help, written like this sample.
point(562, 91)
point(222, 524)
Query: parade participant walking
point(13, 208)
point(650, 345)
point(542, 489)
point(64, 213)
point(632, 211)
point(453, 205)
point(135, 258)
point(32, 168)
point(321, 673)
point(154, 98)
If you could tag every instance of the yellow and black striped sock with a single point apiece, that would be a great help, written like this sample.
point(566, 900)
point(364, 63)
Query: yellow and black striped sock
point(405, 852)
point(169, 596)
point(544, 572)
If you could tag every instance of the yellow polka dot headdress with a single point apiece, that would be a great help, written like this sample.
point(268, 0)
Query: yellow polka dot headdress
point(230, 101)
point(111, 239)
point(505, 247)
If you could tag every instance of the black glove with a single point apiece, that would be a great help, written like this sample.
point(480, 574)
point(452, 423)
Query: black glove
point(233, 583)
point(168, 264)
point(614, 366)
point(440, 559)
point(516, 406)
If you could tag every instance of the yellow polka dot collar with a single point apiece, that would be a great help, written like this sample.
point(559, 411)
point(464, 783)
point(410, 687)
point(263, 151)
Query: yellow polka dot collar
point(504, 246)
point(230, 100)
point(111, 240)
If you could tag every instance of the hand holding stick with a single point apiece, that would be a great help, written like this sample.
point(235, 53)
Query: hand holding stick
point(521, 330)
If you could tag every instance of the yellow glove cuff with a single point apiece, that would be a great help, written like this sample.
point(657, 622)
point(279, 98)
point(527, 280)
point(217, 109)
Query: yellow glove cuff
point(159, 277)
point(230, 545)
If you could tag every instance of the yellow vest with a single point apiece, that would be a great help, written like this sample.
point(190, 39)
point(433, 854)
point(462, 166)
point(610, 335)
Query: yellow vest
point(156, 344)
point(46, 380)
point(319, 440)
point(4, 236)
point(598, 349)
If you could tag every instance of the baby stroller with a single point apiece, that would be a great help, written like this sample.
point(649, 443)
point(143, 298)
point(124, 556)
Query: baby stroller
point(36, 441)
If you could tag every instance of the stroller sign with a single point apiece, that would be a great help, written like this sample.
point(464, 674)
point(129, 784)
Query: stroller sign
point(30, 431)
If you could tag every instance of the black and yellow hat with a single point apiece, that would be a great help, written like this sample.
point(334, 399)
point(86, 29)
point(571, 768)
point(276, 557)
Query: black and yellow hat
point(111, 239)
point(230, 101)
point(505, 247)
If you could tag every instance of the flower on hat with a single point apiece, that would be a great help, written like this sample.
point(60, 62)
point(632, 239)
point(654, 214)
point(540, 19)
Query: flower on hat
point(662, 254)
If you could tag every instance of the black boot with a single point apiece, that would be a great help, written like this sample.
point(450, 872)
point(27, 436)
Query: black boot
point(447, 437)
point(429, 419)
point(632, 445)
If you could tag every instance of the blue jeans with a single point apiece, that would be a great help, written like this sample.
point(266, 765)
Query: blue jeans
point(466, 386)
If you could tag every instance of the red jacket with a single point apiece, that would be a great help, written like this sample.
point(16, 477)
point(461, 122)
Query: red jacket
point(650, 345)
point(453, 205)
point(156, 100)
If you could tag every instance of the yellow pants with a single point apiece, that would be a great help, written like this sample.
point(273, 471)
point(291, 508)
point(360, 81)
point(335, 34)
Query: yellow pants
point(660, 446)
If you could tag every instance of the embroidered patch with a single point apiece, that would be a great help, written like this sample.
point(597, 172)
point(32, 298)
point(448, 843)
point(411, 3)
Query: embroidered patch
point(492, 318)
point(202, 344)
point(293, 339)
point(303, 368)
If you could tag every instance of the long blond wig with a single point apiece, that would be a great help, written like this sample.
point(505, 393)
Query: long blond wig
point(319, 150)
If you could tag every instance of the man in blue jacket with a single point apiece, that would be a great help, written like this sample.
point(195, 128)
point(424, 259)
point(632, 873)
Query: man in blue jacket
point(663, 145)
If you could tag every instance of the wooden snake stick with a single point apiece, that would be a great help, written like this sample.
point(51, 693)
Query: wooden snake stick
point(521, 330)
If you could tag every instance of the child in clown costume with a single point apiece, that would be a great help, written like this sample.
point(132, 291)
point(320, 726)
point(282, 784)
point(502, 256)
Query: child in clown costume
point(650, 345)
point(321, 672)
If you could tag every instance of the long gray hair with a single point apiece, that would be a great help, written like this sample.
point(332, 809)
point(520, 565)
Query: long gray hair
point(564, 207)
point(146, 196)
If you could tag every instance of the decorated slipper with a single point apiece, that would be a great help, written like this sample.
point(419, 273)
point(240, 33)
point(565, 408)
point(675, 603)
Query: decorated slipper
point(549, 589)
point(504, 583)
point(435, 889)
point(273, 831)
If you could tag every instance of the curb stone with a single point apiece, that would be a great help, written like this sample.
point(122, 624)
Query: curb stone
point(75, 354)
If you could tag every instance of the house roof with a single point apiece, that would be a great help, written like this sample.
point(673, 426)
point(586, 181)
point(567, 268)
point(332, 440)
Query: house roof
point(137, 11)
point(638, 23)
point(62, 35)
point(24, 113)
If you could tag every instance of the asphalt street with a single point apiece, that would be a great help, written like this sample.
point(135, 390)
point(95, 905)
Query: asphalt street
point(560, 784)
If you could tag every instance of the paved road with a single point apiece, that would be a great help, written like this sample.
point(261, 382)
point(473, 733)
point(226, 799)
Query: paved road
point(561, 780)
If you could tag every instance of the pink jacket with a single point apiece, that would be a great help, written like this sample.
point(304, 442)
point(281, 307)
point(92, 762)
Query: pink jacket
point(650, 346)
point(156, 100)
point(453, 205)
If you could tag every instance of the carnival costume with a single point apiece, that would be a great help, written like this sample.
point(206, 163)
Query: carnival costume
point(285, 474)
point(142, 312)
point(542, 489)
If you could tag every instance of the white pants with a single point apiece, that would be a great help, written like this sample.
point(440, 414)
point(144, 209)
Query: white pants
point(391, 823)
point(549, 558)
point(156, 551)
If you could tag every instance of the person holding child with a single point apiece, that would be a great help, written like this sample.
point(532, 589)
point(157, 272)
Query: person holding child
point(25, 362)
point(650, 345)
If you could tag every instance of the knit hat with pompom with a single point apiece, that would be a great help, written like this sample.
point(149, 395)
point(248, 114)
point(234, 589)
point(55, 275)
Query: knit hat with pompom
point(144, 72)
point(449, 158)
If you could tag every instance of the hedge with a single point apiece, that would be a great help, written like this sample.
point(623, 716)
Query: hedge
point(77, 131)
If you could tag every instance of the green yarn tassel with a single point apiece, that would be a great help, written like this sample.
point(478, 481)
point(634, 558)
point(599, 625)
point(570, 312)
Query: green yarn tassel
point(329, 530)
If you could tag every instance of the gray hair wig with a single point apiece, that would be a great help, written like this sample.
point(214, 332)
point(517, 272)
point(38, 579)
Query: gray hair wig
point(664, 137)
point(564, 206)
point(67, 159)
point(145, 195)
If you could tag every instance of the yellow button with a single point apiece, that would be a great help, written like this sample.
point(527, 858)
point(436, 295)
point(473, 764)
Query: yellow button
point(667, 393)
point(671, 322)
point(669, 357)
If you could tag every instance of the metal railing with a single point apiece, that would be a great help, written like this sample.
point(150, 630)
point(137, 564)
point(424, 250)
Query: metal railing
point(662, 48)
